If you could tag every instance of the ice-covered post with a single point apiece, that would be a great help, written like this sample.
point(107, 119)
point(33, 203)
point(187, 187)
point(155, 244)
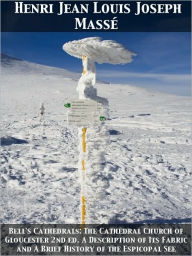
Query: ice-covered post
point(91, 110)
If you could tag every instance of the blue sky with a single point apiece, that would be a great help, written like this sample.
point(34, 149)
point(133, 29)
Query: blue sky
point(162, 62)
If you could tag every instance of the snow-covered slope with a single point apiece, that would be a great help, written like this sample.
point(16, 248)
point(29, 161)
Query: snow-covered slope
point(10, 64)
point(138, 165)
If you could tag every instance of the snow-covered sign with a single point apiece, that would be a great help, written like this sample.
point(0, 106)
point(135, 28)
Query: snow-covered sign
point(84, 113)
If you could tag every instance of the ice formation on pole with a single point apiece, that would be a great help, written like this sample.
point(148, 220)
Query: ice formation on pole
point(91, 50)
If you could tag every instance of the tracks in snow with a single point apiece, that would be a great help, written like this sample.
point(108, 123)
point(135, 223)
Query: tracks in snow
point(131, 175)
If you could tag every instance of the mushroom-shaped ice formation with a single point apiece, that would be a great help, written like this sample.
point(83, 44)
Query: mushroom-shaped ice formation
point(93, 49)
point(100, 51)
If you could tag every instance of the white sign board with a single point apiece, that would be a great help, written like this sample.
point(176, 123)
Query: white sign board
point(85, 113)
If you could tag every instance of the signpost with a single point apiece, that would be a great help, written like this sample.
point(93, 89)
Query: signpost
point(85, 113)
point(88, 111)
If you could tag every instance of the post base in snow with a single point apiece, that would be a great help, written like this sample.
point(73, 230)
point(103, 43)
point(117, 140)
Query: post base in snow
point(94, 179)
point(82, 169)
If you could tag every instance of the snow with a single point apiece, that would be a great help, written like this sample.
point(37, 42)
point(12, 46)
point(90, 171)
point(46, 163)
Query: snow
point(87, 80)
point(138, 163)
point(100, 51)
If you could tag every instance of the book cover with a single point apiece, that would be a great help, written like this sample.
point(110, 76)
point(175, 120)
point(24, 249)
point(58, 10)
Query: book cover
point(96, 127)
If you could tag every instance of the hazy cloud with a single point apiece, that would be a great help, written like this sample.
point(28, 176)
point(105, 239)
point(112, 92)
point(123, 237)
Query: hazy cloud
point(165, 77)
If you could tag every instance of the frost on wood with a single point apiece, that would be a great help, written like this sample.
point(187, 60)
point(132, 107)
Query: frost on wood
point(84, 114)
point(87, 80)
point(100, 51)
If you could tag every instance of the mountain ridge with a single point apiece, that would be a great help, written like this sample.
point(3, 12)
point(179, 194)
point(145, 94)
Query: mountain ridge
point(19, 65)
point(16, 65)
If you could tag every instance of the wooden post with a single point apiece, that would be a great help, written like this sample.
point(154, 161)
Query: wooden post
point(83, 168)
point(83, 200)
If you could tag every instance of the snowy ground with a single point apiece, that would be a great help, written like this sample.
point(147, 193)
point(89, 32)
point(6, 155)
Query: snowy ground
point(138, 164)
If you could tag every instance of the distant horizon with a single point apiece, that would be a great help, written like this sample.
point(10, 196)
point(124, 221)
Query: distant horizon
point(162, 62)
